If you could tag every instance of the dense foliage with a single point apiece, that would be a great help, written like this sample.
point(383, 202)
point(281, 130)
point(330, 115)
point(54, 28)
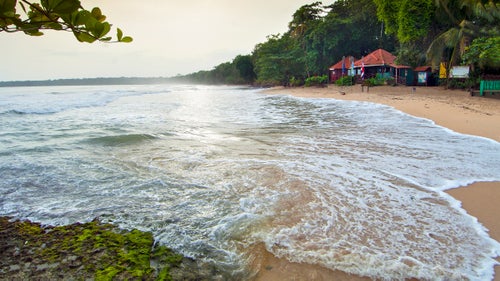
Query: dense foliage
point(65, 15)
point(419, 32)
point(442, 29)
point(483, 52)
point(239, 71)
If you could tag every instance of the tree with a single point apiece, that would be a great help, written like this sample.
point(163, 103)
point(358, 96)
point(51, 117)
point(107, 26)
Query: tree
point(303, 17)
point(484, 53)
point(245, 67)
point(469, 19)
point(408, 19)
point(304, 21)
point(388, 12)
point(414, 19)
point(62, 15)
point(441, 28)
point(350, 28)
point(276, 60)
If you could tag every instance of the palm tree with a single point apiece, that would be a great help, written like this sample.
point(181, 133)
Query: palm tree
point(466, 18)
point(303, 17)
point(303, 21)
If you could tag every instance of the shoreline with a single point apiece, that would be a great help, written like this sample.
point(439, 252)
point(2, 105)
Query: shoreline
point(452, 109)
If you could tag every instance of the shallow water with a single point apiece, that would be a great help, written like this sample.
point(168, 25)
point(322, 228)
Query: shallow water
point(212, 171)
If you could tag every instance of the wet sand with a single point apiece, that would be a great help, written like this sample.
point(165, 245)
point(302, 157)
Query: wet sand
point(453, 109)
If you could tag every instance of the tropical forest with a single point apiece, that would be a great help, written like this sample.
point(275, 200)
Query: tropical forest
point(418, 32)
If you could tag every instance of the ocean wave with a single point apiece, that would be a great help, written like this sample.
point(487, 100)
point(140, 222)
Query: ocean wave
point(41, 100)
point(14, 112)
point(118, 140)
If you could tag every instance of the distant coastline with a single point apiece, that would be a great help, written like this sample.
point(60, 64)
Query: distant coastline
point(93, 81)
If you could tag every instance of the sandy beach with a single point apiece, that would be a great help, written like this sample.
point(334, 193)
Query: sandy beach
point(453, 109)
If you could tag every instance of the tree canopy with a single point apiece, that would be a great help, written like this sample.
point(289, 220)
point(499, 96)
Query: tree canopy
point(443, 29)
point(62, 15)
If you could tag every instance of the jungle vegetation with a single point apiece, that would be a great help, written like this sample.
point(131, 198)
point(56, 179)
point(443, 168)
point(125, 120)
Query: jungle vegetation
point(418, 32)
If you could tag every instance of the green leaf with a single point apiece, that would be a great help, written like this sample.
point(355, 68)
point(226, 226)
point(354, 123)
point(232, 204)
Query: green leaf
point(54, 26)
point(35, 15)
point(84, 37)
point(7, 8)
point(119, 34)
point(61, 6)
point(97, 14)
point(100, 29)
point(33, 32)
point(106, 29)
point(9, 14)
point(126, 39)
point(6, 5)
point(81, 18)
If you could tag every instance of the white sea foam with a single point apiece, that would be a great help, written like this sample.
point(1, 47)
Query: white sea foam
point(47, 100)
point(211, 170)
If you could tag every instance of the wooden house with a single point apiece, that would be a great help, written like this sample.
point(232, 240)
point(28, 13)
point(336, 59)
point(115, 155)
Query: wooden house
point(383, 64)
point(342, 68)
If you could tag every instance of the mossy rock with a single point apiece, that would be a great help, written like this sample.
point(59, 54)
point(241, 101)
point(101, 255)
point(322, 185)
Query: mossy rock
point(78, 251)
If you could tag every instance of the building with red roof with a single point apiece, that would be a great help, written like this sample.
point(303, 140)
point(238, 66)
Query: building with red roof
point(379, 62)
point(345, 65)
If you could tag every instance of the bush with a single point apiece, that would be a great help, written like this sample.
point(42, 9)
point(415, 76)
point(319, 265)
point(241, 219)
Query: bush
point(456, 83)
point(345, 81)
point(316, 81)
point(374, 82)
point(294, 82)
point(390, 81)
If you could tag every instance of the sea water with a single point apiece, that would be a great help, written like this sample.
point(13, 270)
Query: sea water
point(212, 171)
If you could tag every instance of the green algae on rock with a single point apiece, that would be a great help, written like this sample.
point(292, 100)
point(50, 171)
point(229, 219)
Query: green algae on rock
point(90, 250)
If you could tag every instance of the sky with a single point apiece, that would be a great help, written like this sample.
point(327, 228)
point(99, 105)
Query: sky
point(170, 38)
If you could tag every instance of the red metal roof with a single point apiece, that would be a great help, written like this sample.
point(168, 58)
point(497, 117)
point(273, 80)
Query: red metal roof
point(423, 68)
point(348, 59)
point(377, 58)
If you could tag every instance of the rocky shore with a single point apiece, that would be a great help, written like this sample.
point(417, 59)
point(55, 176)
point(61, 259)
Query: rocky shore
point(90, 251)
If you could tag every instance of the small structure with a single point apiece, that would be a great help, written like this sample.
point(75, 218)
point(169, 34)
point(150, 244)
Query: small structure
point(342, 68)
point(424, 75)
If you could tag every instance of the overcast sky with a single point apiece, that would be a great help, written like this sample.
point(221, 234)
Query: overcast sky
point(170, 38)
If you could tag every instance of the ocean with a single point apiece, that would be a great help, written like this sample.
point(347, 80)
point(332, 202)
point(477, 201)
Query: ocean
point(213, 171)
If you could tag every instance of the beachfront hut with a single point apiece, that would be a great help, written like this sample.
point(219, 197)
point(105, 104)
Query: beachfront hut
point(341, 68)
point(383, 64)
point(376, 62)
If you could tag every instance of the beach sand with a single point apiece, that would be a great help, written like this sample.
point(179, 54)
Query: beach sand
point(453, 109)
